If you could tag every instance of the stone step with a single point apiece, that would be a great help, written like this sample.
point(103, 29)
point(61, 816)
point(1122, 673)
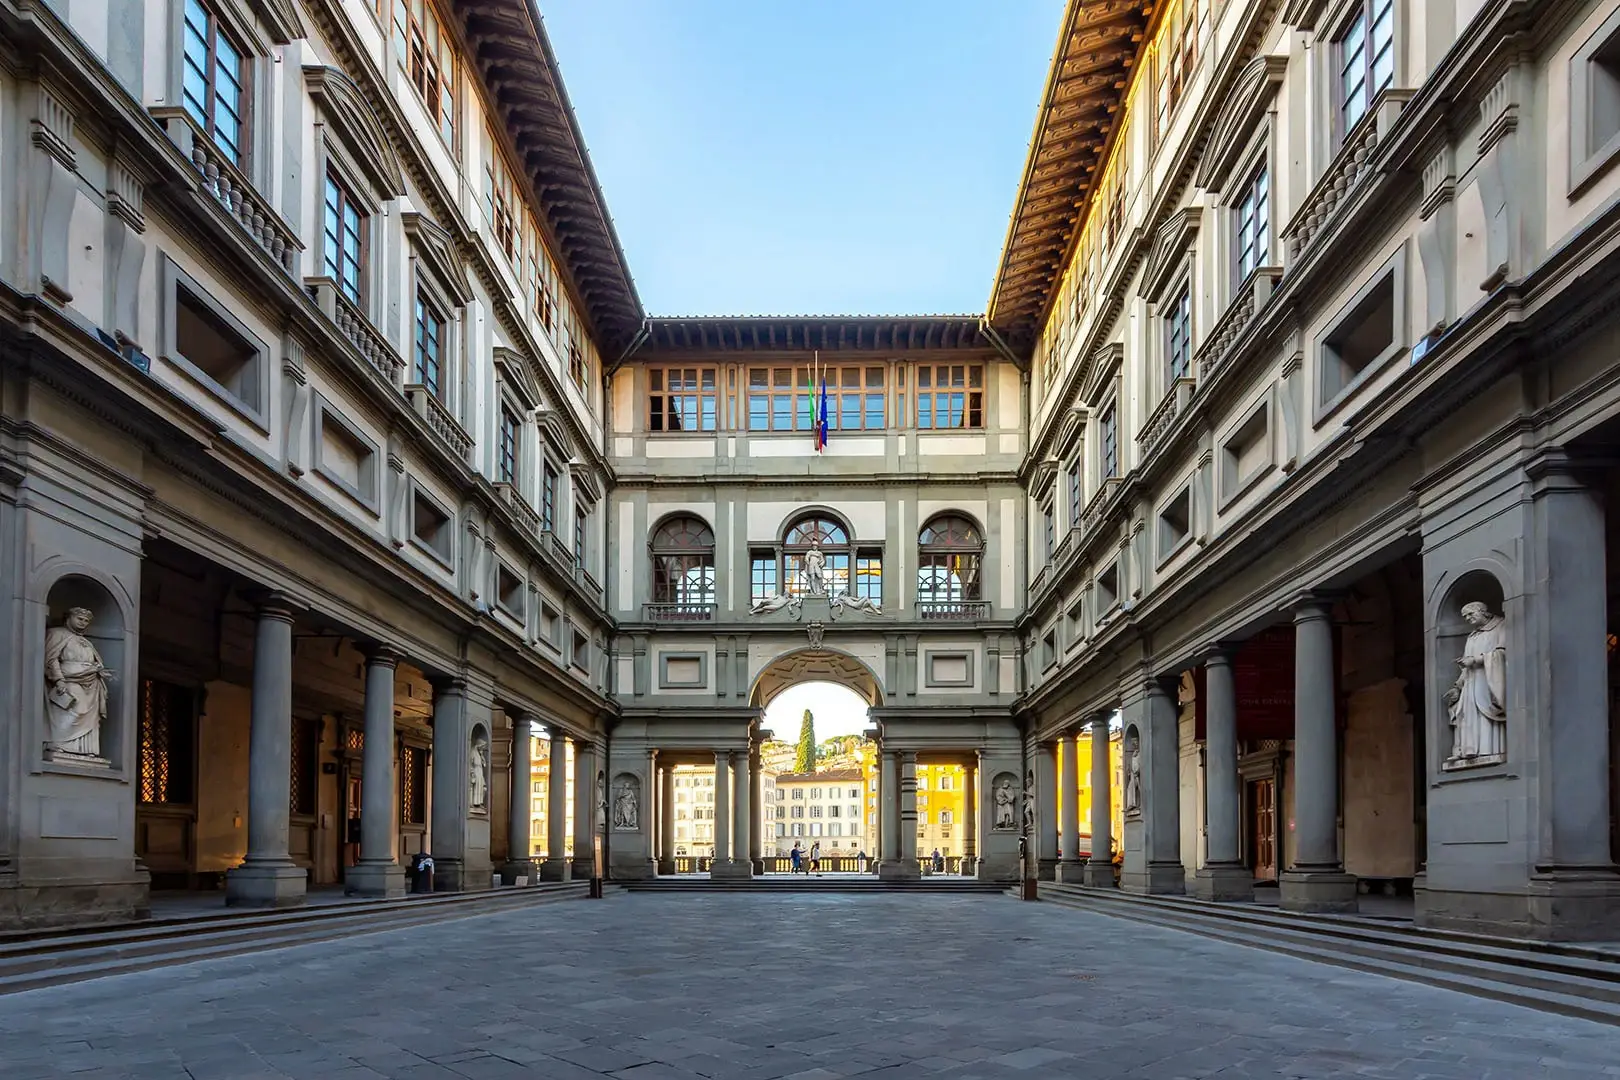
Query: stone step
point(1522, 973)
point(50, 958)
point(812, 884)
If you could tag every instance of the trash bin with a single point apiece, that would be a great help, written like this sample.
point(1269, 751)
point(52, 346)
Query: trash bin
point(422, 873)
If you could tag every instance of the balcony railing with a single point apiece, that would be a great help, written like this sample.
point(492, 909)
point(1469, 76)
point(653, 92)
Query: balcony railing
point(1249, 301)
point(1099, 502)
point(233, 191)
point(353, 324)
point(1165, 415)
point(561, 552)
point(528, 518)
point(590, 584)
point(953, 610)
point(678, 611)
point(439, 419)
point(1344, 175)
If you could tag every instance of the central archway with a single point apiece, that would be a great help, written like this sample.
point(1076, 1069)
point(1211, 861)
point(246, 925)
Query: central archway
point(816, 665)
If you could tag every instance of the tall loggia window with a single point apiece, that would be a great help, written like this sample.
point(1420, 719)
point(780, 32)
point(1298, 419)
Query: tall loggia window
point(950, 551)
point(1108, 442)
point(548, 498)
point(1254, 224)
point(427, 53)
point(832, 538)
point(344, 239)
point(507, 457)
point(1178, 339)
point(427, 356)
point(683, 564)
point(1076, 494)
point(950, 396)
point(1365, 53)
point(580, 532)
point(213, 82)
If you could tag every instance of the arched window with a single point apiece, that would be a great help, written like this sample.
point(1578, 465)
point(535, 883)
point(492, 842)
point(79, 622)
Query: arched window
point(833, 540)
point(949, 551)
point(683, 568)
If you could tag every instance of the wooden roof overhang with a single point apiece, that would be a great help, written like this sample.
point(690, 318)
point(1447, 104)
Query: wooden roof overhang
point(1100, 46)
point(514, 58)
point(676, 336)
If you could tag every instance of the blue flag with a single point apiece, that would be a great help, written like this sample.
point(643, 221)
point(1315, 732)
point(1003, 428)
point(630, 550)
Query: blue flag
point(821, 430)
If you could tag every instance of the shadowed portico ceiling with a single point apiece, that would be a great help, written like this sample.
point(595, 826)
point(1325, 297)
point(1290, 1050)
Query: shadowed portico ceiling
point(519, 69)
point(807, 333)
point(1100, 45)
point(816, 666)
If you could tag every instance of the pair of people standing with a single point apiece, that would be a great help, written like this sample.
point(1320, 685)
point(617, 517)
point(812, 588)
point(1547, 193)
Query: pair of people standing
point(800, 860)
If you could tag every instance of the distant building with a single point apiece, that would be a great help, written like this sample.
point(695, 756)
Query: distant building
point(820, 806)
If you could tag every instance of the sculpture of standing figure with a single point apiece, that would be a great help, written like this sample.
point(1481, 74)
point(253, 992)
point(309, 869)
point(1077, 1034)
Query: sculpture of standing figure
point(815, 571)
point(1005, 798)
point(625, 811)
point(75, 687)
point(601, 800)
point(1133, 776)
point(1029, 803)
point(1477, 701)
point(478, 773)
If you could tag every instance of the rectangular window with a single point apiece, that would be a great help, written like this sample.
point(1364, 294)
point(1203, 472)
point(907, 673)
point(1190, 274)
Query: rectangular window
point(1048, 532)
point(1366, 58)
point(306, 748)
point(1108, 442)
point(548, 498)
point(1076, 489)
point(343, 252)
point(431, 527)
point(1254, 224)
point(682, 399)
point(427, 360)
point(501, 202)
point(579, 540)
point(507, 463)
point(413, 782)
point(1178, 340)
point(762, 578)
point(215, 348)
point(950, 396)
point(213, 83)
point(168, 746)
point(869, 575)
point(578, 369)
point(789, 399)
point(427, 53)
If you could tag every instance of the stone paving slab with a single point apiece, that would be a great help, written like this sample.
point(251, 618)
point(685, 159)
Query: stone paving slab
point(812, 987)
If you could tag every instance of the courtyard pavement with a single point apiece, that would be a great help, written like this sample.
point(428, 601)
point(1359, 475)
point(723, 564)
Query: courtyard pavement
point(736, 987)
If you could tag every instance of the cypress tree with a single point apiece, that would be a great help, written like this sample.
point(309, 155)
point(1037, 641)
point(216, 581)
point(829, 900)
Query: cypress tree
point(805, 761)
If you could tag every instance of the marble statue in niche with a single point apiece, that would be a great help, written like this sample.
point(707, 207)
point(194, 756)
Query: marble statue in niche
point(75, 688)
point(478, 773)
point(601, 799)
point(1477, 702)
point(626, 811)
point(815, 571)
point(1029, 803)
point(1006, 799)
point(1133, 774)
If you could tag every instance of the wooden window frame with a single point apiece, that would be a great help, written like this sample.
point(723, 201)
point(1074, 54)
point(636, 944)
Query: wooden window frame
point(204, 112)
point(427, 316)
point(332, 244)
point(509, 450)
point(697, 398)
point(425, 67)
point(1369, 14)
point(972, 395)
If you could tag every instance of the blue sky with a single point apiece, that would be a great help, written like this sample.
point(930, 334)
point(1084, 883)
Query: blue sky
point(834, 157)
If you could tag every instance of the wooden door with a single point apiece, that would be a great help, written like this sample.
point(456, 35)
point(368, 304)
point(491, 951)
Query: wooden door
point(1263, 828)
point(351, 818)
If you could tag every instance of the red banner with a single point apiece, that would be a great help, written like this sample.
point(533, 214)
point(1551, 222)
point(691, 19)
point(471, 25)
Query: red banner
point(1263, 678)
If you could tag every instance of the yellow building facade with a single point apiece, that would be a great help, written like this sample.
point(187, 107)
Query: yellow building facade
point(1116, 801)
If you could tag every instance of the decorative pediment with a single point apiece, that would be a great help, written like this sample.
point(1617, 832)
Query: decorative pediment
point(585, 482)
point(554, 431)
point(435, 247)
point(1101, 368)
point(280, 17)
point(343, 106)
point(1169, 251)
point(1068, 433)
point(1302, 14)
point(1251, 95)
point(513, 371)
point(1040, 481)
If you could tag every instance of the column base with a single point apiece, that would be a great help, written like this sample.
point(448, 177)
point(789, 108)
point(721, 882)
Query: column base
point(666, 865)
point(1046, 870)
point(1225, 882)
point(899, 870)
point(1071, 872)
point(730, 870)
point(1318, 891)
point(1099, 874)
point(555, 870)
point(759, 865)
point(266, 885)
point(515, 871)
point(582, 869)
point(1158, 879)
point(379, 879)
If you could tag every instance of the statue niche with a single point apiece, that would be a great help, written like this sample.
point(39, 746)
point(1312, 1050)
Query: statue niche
point(1476, 704)
point(478, 771)
point(1133, 772)
point(83, 645)
point(1005, 794)
point(626, 802)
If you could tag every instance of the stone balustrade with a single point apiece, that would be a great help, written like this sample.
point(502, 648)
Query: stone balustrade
point(1250, 300)
point(440, 421)
point(1344, 175)
point(354, 326)
point(1159, 422)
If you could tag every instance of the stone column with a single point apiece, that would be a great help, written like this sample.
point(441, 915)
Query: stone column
point(519, 863)
point(666, 820)
point(1161, 789)
point(739, 865)
point(1071, 867)
point(722, 814)
point(1045, 840)
point(584, 811)
point(970, 819)
point(378, 872)
point(889, 813)
point(1316, 880)
point(268, 877)
point(447, 840)
point(758, 827)
point(1100, 867)
point(557, 866)
point(1223, 875)
point(908, 815)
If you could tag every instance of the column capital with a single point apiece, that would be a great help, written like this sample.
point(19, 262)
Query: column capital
point(448, 685)
point(381, 654)
point(1218, 653)
point(273, 604)
point(1099, 722)
point(1312, 604)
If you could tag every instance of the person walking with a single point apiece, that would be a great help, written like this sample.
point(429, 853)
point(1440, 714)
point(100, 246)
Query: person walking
point(796, 855)
point(939, 862)
point(815, 858)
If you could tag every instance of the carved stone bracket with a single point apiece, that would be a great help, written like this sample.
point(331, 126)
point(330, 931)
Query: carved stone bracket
point(815, 631)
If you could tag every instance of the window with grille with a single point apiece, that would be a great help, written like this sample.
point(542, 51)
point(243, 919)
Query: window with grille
point(1076, 494)
point(507, 463)
point(1178, 339)
point(1048, 530)
point(949, 550)
point(344, 239)
point(1108, 442)
point(950, 396)
point(869, 575)
point(1254, 224)
point(427, 54)
point(167, 744)
point(306, 748)
point(413, 783)
point(579, 540)
point(1366, 56)
point(789, 399)
point(548, 498)
point(427, 360)
point(682, 399)
point(762, 575)
point(502, 205)
point(683, 562)
point(213, 82)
